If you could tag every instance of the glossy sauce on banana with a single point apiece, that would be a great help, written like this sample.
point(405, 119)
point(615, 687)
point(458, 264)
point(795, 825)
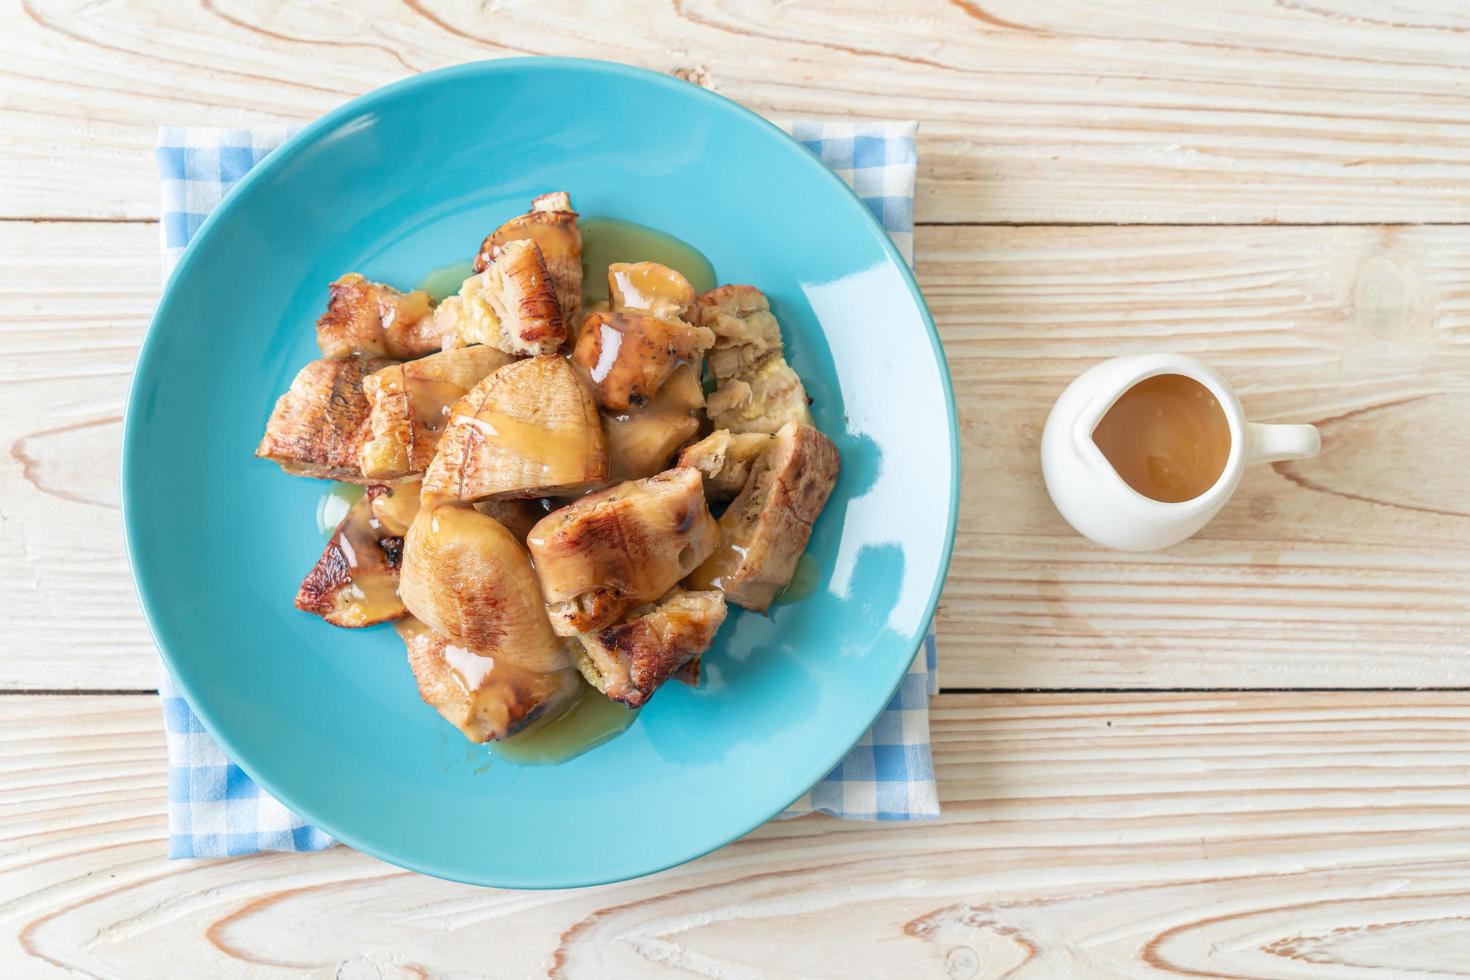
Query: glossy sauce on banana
point(553, 238)
point(396, 506)
point(611, 343)
point(711, 574)
point(372, 594)
point(649, 287)
point(562, 452)
point(497, 696)
point(410, 306)
point(473, 672)
point(621, 261)
point(429, 399)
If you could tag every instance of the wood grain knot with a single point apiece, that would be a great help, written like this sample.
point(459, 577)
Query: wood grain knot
point(1385, 299)
point(975, 935)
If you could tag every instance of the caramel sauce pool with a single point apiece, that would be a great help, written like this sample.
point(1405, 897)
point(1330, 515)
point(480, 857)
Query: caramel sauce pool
point(1167, 437)
point(804, 581)
point(604, 241)
point(609, 240)
point(334, 504)
point(587, 721)
point(445, 281)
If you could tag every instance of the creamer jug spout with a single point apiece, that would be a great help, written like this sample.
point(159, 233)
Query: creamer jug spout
point(1099, 392)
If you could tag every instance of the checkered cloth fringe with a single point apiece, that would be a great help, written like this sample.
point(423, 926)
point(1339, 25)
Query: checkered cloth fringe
point(216, 810)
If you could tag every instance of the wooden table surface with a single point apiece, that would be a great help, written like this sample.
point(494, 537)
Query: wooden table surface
point(1246, 756)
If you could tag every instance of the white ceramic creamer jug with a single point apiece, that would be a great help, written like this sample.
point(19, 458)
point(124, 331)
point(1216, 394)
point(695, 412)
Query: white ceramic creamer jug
point(1093, 496)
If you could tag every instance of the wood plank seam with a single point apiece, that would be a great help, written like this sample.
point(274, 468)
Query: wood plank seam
point(1202, 226)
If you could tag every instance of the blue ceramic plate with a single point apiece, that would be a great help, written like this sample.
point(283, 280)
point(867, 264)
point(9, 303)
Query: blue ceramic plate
point(409, 178)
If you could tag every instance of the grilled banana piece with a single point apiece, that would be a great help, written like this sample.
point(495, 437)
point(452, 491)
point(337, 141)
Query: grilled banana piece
point(372, 318)
point(766, 528)
point(746, 332)
point(725, 460)
point(394, 506)
point(761, 401)
point(552, 225)
point(529, 430)
point(355, 581)
point(631, 660)
point(484, 697)
point(511, 305)
point(620, 547)
point(648, 287)
point(319, 425)
point(757, 391)
point(410, 406)
point(629, 356)
point(468, 578)
point(641, 441)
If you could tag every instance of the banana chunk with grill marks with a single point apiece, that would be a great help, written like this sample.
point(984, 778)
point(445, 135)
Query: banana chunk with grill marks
point(766, 528)
point(620, 547)
point(631, 660)
point(629, 356)
point(531, 429)
point(410, 407)
point(510, 305)
point(484, 697)
point(319, 425)
point(372, 318)
point(355, 581)
point(469, 579)
point(552, 225)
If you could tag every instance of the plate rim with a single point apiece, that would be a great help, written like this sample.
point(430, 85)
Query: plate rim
point(278, 158)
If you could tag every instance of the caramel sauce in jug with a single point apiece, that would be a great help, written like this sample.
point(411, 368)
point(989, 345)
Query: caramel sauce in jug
point(1167, 437)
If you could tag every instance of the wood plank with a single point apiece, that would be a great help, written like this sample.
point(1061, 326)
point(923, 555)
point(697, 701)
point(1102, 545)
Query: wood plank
point(1260, 835)
point(74, 303)
point(1065, 111)
point(1346, 571)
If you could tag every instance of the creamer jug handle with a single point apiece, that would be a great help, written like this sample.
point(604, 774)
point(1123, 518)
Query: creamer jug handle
point(1270, 443)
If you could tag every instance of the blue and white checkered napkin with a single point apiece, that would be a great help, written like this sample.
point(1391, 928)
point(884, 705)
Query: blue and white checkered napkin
point(216, 810)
